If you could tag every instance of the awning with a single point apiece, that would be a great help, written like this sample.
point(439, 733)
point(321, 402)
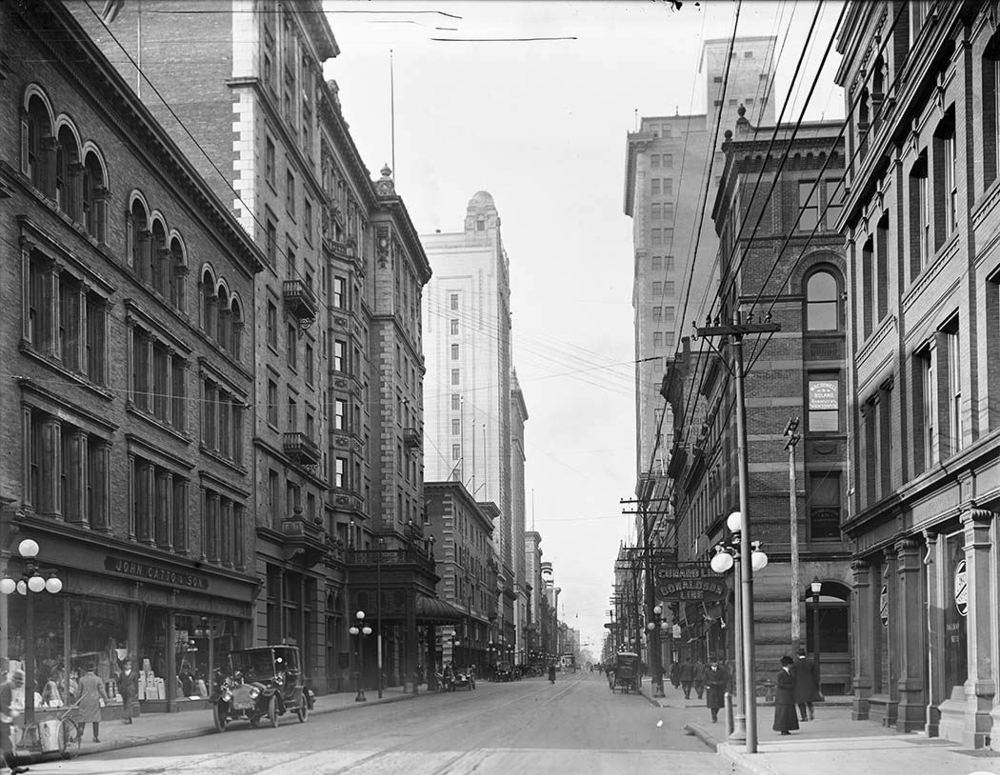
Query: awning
point(430, 610)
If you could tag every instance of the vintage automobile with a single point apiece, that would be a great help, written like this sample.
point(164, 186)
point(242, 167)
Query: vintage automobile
point(262, 684)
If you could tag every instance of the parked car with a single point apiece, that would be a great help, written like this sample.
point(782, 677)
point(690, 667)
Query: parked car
point(261, 684)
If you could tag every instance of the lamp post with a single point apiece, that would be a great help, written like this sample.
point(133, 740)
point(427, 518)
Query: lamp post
point(816, 586)
point(378, 611)
point(31, 581)
point(729, 556)
point(655, 627)
point(360, 629)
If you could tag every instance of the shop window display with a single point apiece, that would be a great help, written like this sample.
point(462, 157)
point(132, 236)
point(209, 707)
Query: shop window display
point(203, 644)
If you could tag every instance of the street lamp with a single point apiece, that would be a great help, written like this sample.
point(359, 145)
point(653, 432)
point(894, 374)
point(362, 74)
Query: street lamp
point(378, 611)
point(360, 629)
point(655, 657)
point(31, 580)
point(816, 586)
point(729, 556)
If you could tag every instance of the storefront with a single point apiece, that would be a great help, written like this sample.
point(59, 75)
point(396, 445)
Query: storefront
point(176, 619)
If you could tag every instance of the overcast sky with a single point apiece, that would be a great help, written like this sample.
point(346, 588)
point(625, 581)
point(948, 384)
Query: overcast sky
point(542, 126)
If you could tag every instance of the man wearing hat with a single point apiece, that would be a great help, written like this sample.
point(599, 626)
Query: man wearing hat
point(806, 685)
point(14, 682)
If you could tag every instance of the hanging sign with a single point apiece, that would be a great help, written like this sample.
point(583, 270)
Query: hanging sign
point(961, 589)
point(883, 605)
point(678, 581)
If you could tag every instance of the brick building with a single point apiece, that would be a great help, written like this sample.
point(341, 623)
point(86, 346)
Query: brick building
point(797, 373)
point(338, 366)
point(921, 222)
point(127, 353)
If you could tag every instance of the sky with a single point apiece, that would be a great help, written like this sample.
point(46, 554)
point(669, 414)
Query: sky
point(541, 125)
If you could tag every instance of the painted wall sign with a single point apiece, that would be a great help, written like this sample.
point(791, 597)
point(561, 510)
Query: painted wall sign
point(961, 588)
point(142, 571)
point(823, 393)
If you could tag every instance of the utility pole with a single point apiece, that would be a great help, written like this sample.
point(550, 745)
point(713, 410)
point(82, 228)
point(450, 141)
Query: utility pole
point(735, 333)
point(793, 439)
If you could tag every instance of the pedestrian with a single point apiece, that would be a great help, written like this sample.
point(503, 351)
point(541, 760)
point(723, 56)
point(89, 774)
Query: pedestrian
point(785, 719)
point(806, 685)
point(8, 713)
point(716, 682)
point(93, 697)
point(128, 685)
point(675, 674)
point(699, 677)
point(687, 677)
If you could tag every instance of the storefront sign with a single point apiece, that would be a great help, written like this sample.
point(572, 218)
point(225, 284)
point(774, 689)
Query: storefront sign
point(688, 581)
point(146, 572)
point(961, 589)
point(883, 605)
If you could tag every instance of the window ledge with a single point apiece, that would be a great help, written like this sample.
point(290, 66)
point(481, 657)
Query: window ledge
point(227, 462)
point(28, 350)
point(131, 408)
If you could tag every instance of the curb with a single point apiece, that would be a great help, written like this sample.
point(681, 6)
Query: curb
point(168, 737)
point(742, 762)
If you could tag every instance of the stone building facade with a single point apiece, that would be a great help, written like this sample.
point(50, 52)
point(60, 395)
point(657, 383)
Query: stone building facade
point(127, 349)
point(921, 220)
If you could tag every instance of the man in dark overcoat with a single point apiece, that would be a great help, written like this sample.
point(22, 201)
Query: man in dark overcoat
point(806, 674)
point(716, 682)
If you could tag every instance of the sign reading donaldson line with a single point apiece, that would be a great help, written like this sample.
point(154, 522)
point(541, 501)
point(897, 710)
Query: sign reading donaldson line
point(688, 581)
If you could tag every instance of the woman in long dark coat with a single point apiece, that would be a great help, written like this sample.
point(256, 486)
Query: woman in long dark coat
point(716, 681)
point(784, 699)
point(128, 685)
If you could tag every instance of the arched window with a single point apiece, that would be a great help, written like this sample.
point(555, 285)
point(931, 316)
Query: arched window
point(37, 157)
point(158, 264)
point(178, 271)
point(222, 318)
point(236, 333)
point(67, 173)
point(207, 289)
point(93, 198)
point(139, 234)
point(822, 313)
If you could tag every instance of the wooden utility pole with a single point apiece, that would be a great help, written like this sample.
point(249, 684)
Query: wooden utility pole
point(735, 333)
point(793, 439)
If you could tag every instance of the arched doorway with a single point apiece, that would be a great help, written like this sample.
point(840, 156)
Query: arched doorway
point(830, 618)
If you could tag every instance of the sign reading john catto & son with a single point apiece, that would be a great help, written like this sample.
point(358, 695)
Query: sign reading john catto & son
point(688, 581)
point(142, 571)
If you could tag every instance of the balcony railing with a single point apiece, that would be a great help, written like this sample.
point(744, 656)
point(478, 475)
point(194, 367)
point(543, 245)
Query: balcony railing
point(300, 448)
point(411, 438)
point(300, 300)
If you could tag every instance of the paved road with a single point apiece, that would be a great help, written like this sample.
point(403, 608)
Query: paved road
point(576, 726)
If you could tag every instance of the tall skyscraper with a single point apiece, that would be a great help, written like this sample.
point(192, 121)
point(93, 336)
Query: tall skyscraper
point(468, 397)
point(667, 170)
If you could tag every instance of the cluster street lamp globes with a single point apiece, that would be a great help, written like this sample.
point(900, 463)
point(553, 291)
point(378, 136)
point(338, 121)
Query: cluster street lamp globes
point(727, 556)
point(656, 626)
point(816, 586)
point(31, 580)
point(360, 629)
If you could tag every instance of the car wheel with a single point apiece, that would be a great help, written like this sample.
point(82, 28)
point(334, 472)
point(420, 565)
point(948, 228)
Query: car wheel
point(303, 710)
point(219, 716)
point(272, 711)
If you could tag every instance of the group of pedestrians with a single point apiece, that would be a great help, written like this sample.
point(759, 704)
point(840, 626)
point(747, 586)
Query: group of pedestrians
point(797, 689)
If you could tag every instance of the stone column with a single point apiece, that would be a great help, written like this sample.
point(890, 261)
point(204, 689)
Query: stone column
point(53, 313)
point(133, 488)
point(864, 611)
point(161, 530)
point(75, 507)
point(47, 179)
point(913, 631)
point(212, 528)
point(981, 576)
point(142, 254)
point(226, 533)
point(147, 505)
point(894, 635)
point(51, 458)
point(163, 276)
point(180, 273)
point(935, 628)
point(74, 189)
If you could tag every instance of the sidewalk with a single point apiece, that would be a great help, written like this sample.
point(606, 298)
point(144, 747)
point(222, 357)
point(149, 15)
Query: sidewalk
point(164, 727)
point(833, 744)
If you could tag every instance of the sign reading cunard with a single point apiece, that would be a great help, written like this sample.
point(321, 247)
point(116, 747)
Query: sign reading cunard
point(692, 581)
point(158, 574)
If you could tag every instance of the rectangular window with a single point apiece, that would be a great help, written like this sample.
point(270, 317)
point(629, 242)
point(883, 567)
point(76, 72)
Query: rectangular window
point(668, 160)
point(657, 339)
point(179, 408)
point(272, 403)
point(668, 186)
point(951, 182)
point(310, 368)
point(657, 288)
point(456, 402)
point(655, 211)
point(656, 264)
point(339, 353)
point(824, 506)
point(96, 349)
point(955, 430)
point(654, 160)
point(455, 377)
point(669, 264)
point(293, 415)
point(657, 313)
point(272, 325)
point(339, 291)
point(834, 195)
point(824, 404)
point(307, 219)
point(340, 472)
point(668, 339)
point(668, 314)
point(456, 427)
point(929, 405)
point(292, 346)
point(654, 186)
point(269, 162)
point(339, 414)
point(290, 193)
point(140, 369)
point(456, 451)
point(454, 352)
point(668, 288)
point(920, 218)
point(668, 237)
point(454, 327)
point(454, 301)
point(274, 495)
point(808, 205)
point(657, 237)
point(668, 211)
